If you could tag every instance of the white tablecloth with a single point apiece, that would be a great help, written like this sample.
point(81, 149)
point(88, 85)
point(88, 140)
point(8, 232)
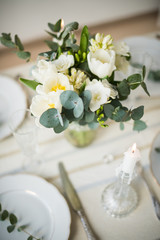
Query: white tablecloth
point(89, 174)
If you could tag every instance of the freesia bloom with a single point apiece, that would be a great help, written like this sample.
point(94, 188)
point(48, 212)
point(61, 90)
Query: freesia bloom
point(56, 82)
point(101, 41)
point(40, 103)
point(77, 79)
point(121, 48)
point(101, 91)
point(44, 69)
point(102, 62)
point(64, 62)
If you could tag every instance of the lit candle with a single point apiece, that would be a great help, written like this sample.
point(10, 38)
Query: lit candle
point(130, 158)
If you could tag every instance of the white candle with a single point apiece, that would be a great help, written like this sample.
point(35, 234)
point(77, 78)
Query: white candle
point(130, 158)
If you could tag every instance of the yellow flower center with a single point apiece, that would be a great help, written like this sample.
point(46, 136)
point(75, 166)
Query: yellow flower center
point(52, 105)
point(58, 87)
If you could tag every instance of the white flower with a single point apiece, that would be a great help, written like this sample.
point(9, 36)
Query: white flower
point(40, 103)
point(56, 82)
point(121, 48)
point(77, 79)
point(101, 91)
point(122, 64)
point(101, 41)
point(44, 69)
point(102, 62)
point(113, 92)
point(64, 62)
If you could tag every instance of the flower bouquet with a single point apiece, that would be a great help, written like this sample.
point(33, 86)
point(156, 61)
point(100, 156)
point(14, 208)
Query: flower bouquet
point(75, 83)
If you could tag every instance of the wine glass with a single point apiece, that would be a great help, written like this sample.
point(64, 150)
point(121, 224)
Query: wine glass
point(23, 128)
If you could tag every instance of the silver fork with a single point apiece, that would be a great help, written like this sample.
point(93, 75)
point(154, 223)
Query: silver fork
point(155, 201)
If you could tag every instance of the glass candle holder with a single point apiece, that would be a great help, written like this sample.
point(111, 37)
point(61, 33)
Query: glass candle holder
point(119, 198)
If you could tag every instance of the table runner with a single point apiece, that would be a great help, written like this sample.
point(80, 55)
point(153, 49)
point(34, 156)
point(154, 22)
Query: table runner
point(88, 172)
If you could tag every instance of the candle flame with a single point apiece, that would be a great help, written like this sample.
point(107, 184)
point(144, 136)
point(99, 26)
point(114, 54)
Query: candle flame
point(133, 147)
point(62, 24)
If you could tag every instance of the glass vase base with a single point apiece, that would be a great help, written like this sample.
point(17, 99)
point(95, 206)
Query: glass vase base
point(119, 206)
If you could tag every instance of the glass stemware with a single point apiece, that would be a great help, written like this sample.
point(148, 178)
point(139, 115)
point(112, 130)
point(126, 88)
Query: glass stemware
point(23, 128)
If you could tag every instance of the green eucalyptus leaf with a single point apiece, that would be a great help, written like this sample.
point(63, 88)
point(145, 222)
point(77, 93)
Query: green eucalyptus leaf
point(7, 36)
point(52, 45)
point(116, 103)
point(4, 215)
point(18, 43)
point(55, 27)
point(21, 228)
point(69, 28)
point(30, 238)
point(119, 114)
point(86, 97)
point(137, 113)
point(23, 55)
point(123, 88)
point(11, 228)
point(143, 85)
point(144, 72)
point(93, 125)
point(78, 109)
point(48, 54)
point(134, 80)
point(108, 110)
point(59, 128)
point(7, 43)
point(50, 118)
point(139, 125)
point(69, 99)
point(51, 34)
point(12, 219)
point(30, 83)
point(121, 125)
point(89, 116)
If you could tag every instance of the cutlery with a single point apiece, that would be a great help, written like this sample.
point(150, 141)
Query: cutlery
point(155, 201)
point(75, 202)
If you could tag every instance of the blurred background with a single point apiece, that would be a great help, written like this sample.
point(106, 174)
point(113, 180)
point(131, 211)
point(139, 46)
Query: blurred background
point(29, 20)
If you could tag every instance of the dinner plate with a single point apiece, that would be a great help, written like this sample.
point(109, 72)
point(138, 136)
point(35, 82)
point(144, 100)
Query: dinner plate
point(36, 203)
point(155, 158)
point(12, 98)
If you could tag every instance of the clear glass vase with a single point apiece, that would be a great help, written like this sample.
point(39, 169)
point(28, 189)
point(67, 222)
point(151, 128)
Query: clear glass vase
point(78, 135)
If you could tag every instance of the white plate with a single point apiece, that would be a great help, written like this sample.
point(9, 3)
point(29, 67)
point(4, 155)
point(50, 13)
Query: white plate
point(37, 202)
point(12, 98)
point(155, 159)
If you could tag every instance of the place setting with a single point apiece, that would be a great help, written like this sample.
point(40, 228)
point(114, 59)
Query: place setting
point(79, 88)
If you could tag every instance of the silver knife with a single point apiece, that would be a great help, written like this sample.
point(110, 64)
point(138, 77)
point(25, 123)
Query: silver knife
point(75, 202)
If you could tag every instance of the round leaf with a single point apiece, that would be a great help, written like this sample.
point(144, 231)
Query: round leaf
point(69, 99)
point(137, 113)
point(86, 97)
point(123, 88)
point(79, 107)
point(10, 228)
point(4, 215)
point(50, 118)
point(139, 125)
point(60, 128)
point(12, 219)
point(89, 116)
point(108, 110)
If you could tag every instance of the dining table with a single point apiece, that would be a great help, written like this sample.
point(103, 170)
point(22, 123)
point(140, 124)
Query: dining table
point(93, 167)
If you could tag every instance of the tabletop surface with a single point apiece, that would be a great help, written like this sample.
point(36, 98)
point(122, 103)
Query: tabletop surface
point(90, 174)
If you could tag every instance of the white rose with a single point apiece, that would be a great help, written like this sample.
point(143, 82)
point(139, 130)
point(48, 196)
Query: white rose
point(64, 62)
point(44, 69)
point(40, 103)
point(100, 94)
point(57, 82)
point(102, 62)
point(121, 48)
